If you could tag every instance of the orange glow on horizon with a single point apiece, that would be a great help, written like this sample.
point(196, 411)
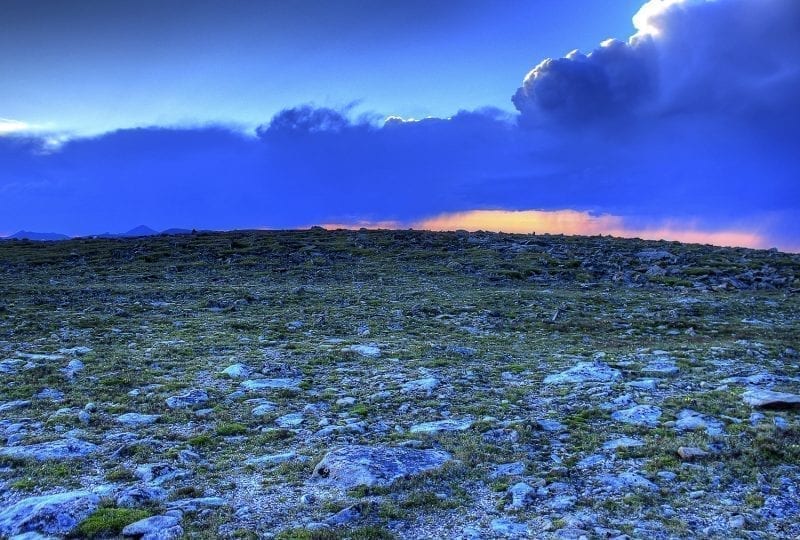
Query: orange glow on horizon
point(569, 222)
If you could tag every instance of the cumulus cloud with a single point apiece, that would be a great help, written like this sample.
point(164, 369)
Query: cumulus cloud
point(687, 56)
point(8, 126)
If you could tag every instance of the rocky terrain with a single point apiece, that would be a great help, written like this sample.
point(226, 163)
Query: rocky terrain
point(382, 384)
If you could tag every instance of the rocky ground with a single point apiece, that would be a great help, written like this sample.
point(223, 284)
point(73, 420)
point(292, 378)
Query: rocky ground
point(379, 384)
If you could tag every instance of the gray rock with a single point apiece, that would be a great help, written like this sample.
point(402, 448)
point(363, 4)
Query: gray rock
point(521, 494)
point(509, 528)
point(626, 481)
point(136, 419)
point(622, 442)
point(270, 384)
point(585, 372)
point(190, 398)
point(367, 351)
point(272, 459)
point(550, 425)
point(643, 384)
point(290, 420)
point(137, 496)
point(665, 366)
point(356, 465)
point(16, 404)
point(263, 409)
point(155, 528)
point(590, 461)
point(347, 515)
point(54, 450)
point(76, 351)
point(442, 425)
point(192, 505)
point(767, 399)
point(426, 385)
point(515, 468)
point(159, 473)
point(49, 514)
point(640, 415)
point(50, 393)
point(689, 420)
point(73, 367)
point(237, 371)
point(653, 255)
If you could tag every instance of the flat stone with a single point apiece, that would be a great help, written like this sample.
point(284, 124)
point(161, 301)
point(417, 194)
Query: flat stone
point(187, 399)
point(426, 385)
point(585, 372)
point(290, 420)
point(622, 442)
point(356, 465)
point(515, 468)
point(521, 494)
point(509, 528)
point(16, 404)
point(76, 351)
point(148, 527)
point(49, 514)
point(192, 505)
point(661, 367)
point(643, 384)
point(367, 351)
point(272, 459)
point(626, 481)
point(767, 399)
point(640, 415)
point(54, 450)
point(136, 496)
point(689, 420)
point(159, 473)
point(237, 371)
point(136, 419)
point(550, 425)
point(591, 461)
point(688, 453)
point(442, 425)
point(263, 409)
point(270, 384)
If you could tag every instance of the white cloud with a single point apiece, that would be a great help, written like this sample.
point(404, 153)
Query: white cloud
point(8, 126)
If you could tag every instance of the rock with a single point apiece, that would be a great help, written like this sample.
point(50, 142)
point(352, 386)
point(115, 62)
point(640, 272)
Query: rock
point(461, 350)
point(272, 459)
point(190, 398)
point(270, 384)
point(442, 425)
point(590, 461)
point(653, 255)
point(54, 450)
point(16, 404)
point(76, 351)
point(237, 371)
point(192, 505)
point(426, 385)
point(346, 401)
point(84, 417)
point(347, 515)
point(501, 436)
point(767, 399)
point(290, 420)
point(521, 494)
point(136, 496)
point(73, 367)
point(368, 351)
point(689, 453)
point(159, 473)
point(550, 425)
point(509, 528)
point(622, 442)
point(50, 393)
point(136, 419)
point(643, 384)
point(585, 372)
point(661, 367)
point(626, 481)
point(155, 528)
point(263, 409)
point(515, 468)
point(49, 514)
point(689, 420)
point(640, 415)
point(356, 465)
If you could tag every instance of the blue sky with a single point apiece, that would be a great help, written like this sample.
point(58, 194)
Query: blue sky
point(227, 115)
point(92, 66)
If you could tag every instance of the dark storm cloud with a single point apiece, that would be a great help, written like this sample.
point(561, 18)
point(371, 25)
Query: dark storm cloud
point(731, 57)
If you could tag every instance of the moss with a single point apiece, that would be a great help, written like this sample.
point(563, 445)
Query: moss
point(231, 429)
point(109, 521)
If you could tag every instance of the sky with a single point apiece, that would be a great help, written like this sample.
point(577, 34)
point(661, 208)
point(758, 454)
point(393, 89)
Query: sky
point(676, 119)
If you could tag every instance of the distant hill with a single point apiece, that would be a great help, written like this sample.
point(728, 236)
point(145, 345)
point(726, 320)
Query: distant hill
point(176, 231)
point(40, 236)
point(141, 230)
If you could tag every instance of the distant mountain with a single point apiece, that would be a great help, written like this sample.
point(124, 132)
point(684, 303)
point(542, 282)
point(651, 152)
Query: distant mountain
point(41, 236)
point(141, 230)
point(176, 231)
